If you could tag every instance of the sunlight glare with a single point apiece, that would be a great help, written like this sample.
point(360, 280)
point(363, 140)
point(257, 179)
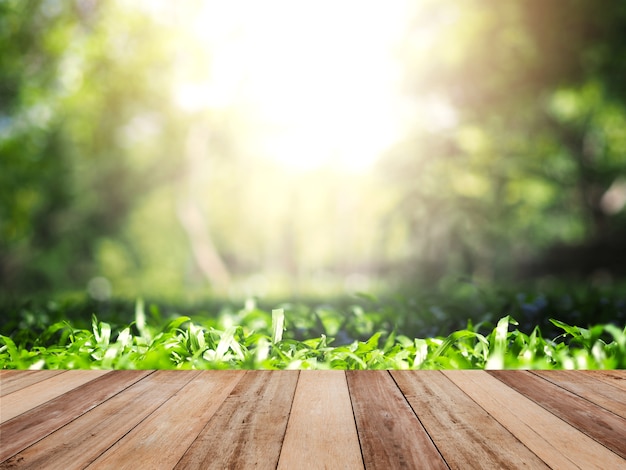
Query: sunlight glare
point(318, 79)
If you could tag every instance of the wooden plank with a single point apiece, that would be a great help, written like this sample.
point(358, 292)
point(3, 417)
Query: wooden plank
point(38, 393)
point(555, 442)
point(465, 434)
point(321, 418)
point(179, 421)
point(602, 425)
point(390, 434)
point(248, 429)
point(112, 423)
point(584, 385)
point(10, 383)
point(37, 423)
point(78, 443)
point(616, 378)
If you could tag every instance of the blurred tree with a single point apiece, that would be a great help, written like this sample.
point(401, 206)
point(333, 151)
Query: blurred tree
point(33, 166)
point(525, 103)
point(76, 90)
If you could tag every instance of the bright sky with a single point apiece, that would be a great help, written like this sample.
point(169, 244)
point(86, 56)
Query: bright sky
point(318, 79)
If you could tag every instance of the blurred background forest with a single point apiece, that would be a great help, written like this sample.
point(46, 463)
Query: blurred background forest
point(293, 149)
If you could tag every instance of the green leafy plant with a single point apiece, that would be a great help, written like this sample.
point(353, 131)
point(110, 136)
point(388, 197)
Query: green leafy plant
point(255, 339)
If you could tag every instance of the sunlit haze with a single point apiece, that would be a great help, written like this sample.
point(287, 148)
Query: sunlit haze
point(317, 81)
point(309, 148)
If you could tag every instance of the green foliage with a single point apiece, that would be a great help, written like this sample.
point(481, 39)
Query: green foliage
point(533, 146)
point(253, 339)
point(97, 156)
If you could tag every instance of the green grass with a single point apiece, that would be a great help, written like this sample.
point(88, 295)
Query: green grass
point(257, 338)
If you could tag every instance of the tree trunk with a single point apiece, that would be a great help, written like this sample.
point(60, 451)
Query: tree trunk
point(192, 219)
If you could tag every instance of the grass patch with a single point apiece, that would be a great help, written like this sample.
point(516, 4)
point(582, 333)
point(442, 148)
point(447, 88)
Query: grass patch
point(299, 337)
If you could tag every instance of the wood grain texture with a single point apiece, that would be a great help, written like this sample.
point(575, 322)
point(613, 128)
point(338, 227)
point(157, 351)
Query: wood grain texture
point(586, 386)
point(390, 434)
point(613, 377)
point(465, 434)
point(555, 442)
point(30, 397)
point(78, 443)
point(321, 429)
point(313, 419)
point(247, 430)
point(602, 425)
point(28, 428)
point(13, 380)
point(178, 421)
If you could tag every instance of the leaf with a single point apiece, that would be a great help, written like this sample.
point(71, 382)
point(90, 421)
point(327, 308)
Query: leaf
point(177, 323)
point(228, 341)
point(421, 353)
point(278, 324)
point(140, 319)
point(102, 332)
point(500, 342)
point(124, 339)
point(453, 338)
point(575, 331)
point(9, 344)
point(391, 339)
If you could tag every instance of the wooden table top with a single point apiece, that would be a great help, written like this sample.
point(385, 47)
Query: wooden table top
point(312, 419)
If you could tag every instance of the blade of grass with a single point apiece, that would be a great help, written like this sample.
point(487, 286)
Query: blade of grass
point(278, 324)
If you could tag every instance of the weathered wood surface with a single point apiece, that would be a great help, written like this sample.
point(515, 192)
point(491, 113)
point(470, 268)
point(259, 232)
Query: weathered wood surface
point(313, 419)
